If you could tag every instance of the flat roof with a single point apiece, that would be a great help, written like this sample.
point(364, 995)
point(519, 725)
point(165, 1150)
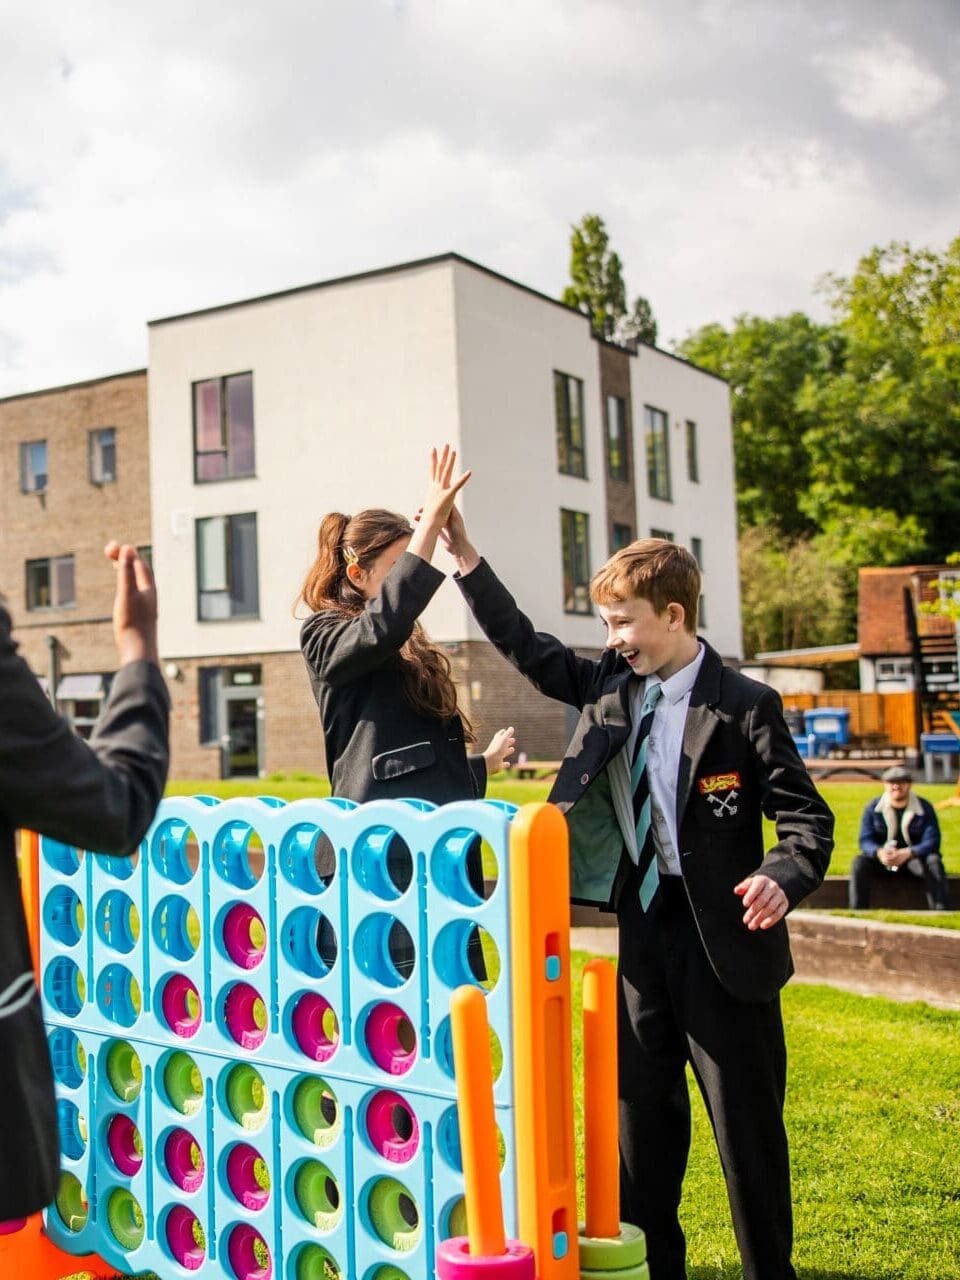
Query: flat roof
point(819, 656)
point(418, 264)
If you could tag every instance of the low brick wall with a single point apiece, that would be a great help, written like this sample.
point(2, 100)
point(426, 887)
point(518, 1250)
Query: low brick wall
point(902, 962)
point(902, 892)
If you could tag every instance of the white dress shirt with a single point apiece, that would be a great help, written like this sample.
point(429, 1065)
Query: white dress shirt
point(663, 754)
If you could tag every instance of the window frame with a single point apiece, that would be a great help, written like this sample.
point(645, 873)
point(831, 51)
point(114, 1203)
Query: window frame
point(693, 451)
point(51, 562)
point(576, 520)
point(252, 615)
point(25, 446)
point(571, 452)
point(616, 544)
point(617, 443)
point(656, 432)
point(222, 382)
point(92, 453)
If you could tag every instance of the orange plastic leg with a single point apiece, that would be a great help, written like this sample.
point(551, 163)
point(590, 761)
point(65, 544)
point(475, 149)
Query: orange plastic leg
point(601, 1153)
point(478, 1126)
point(542, 1041)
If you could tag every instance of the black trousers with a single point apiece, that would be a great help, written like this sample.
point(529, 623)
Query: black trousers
point(935, 883)
point(673, 1010)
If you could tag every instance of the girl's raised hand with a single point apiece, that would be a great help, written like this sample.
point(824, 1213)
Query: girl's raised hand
point(442, 488)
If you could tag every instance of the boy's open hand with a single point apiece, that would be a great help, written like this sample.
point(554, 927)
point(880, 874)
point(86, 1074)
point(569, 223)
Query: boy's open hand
point(134, 606)
point(764, 901)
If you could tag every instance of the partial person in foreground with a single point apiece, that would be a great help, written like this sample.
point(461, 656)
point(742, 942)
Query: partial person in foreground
point(674, 762)
point(100, 795)
point(899, 835)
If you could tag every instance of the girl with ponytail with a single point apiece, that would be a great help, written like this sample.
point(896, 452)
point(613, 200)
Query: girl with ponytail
point(388, 704)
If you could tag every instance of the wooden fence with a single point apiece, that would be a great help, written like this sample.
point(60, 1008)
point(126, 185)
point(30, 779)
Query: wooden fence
point(890, 714)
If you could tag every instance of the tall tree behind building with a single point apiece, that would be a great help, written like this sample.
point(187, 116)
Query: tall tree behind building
point(597, 287)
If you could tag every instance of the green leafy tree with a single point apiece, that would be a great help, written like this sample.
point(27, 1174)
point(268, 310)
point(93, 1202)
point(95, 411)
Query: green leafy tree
point(886, 417)
point(768, 363)
point(791, 595)
point(597, 288)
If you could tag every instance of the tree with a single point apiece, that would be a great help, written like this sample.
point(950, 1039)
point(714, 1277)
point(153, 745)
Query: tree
point(791, 597)
point(886, 417)
point(767, 364)
point(598, 290)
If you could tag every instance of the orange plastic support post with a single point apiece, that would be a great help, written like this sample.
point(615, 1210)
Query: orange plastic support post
point(601, 1151)
point(30, 891)
point(542, 1039)
point(478, 1126)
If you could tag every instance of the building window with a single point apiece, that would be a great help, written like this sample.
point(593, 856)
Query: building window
point(693, 458)
point(50, 583)
point(696, 550)
point(575, 541)
point(617, 438)
point(658, 452)
point(33, 466)
point(223, 428)
point(146, 555)
point(662, 533)
point(568, 398)
point(622, 537)
point(102, 452)
point(227, 582)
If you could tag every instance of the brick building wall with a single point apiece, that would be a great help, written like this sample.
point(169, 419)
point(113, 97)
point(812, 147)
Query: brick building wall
point(73, 516)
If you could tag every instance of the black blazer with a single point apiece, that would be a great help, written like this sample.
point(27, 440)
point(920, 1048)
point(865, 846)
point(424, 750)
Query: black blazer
point(99, 796)
point(378, 747)
point(735, 741)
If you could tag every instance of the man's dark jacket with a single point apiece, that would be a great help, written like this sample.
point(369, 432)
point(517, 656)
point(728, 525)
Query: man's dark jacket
point(735, 741)
point(99, 796)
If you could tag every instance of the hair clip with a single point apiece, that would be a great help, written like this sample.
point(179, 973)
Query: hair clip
point(349, 555)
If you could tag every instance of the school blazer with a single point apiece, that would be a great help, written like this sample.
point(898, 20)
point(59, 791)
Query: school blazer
point(377, 746)
point(100, 796)
point(738, 762)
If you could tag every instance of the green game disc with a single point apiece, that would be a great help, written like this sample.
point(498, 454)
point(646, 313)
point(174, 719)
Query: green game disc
point(315, 1263)
point(394, 1215)
point(124, 1071)
point(247, 1097)
point(126, 1219)
point(316, 1112)
point(318, 1195)
point(629, 1249)
point(71, 1202)
point(183, 1083)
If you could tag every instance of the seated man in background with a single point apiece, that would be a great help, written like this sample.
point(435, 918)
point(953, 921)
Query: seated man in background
point(899, 834)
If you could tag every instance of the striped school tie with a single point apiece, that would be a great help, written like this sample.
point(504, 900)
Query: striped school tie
point(640, 781)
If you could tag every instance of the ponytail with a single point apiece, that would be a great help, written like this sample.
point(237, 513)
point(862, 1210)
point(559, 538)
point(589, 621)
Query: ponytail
point(425, 671)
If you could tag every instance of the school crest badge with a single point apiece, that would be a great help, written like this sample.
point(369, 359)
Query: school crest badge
point(721, 792)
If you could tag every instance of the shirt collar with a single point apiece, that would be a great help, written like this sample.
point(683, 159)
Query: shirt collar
point(681, 682)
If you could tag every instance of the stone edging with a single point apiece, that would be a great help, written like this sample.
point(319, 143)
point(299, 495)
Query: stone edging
point(901, 962)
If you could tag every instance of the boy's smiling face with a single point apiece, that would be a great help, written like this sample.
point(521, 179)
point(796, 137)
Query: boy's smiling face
point(648, 641)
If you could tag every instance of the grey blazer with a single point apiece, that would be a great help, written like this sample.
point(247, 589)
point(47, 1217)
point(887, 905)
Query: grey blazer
point(100, 796)
point(378, 747)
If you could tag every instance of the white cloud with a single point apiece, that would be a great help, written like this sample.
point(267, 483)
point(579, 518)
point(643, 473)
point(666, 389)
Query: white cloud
point(168, 158)
point(885, 82)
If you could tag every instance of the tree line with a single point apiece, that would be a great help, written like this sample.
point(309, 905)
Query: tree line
point(846, 441)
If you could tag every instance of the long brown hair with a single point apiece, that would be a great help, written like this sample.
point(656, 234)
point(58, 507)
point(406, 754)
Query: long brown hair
point(425, 669)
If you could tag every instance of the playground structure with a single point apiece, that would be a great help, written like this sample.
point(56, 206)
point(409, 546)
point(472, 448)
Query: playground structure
point(253, 1083)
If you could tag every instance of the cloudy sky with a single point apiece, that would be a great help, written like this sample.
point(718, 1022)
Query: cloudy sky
point(156, 158)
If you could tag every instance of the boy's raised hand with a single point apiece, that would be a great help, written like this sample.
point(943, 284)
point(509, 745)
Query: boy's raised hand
point(134, 606)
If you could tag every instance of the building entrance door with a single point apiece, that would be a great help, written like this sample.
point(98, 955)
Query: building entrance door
point(242, 742)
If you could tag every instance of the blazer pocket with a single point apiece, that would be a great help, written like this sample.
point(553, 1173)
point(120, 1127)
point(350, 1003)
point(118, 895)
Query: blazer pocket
point(403, 760)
